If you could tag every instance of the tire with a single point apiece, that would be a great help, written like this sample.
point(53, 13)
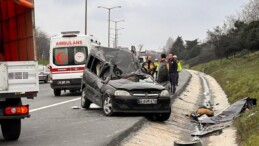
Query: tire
point(107, 106)
point(57, 92)
point(11, 129)
point(162, 116)
point(46, 80)
point(85, 102)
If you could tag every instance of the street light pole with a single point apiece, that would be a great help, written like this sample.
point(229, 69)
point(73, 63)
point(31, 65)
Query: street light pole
point(109, 19)
point(109, 23)
point(115, 31)
point(116, 40)
point(85, 17)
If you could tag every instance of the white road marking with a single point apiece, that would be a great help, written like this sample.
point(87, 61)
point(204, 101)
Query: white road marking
point(52, 105)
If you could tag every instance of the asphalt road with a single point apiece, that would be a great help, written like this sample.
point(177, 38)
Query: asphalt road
point(54, 122)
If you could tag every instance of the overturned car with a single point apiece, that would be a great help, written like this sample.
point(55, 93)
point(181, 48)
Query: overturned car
point(113, 80)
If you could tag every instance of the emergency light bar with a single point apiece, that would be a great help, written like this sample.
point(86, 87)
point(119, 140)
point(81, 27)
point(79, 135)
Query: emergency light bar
point(70, 32)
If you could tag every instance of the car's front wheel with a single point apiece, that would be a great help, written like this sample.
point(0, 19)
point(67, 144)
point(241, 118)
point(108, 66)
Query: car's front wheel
point(107, 106)
point(85, 102)
point(161, 117)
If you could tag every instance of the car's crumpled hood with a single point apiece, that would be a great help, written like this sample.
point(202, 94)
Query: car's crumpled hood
point(130, 85)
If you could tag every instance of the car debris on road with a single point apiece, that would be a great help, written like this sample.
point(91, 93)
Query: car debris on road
point(207, 124)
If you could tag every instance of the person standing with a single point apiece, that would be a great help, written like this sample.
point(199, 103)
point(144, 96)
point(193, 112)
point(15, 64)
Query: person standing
point(149, 67)
point(163, 74)
point(156, 63)
point(172, 72)
point(179, 69)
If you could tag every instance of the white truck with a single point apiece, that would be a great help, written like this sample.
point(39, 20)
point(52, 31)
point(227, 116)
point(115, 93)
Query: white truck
point(18, 64)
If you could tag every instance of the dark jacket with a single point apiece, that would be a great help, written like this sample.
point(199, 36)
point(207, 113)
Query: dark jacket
point(172, 66)
point(149, 67)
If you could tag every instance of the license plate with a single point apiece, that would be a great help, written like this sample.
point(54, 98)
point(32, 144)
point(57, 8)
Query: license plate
point(147, 101)
point(63, 82)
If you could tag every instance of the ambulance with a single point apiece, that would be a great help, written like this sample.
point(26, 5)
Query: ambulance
point(68, 55)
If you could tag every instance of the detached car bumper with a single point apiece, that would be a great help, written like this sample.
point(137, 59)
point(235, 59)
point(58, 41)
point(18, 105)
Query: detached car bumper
point(66, 84)
point(132, 105)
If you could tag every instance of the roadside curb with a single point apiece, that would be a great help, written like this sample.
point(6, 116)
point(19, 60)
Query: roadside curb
point(117, 139)
point(180, 91)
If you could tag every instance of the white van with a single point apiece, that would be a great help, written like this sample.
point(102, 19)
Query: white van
point(68, 54)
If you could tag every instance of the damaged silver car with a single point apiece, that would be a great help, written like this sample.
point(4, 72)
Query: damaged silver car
point(113, 80)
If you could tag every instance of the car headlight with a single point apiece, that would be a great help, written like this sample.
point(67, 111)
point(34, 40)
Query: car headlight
point(164, 93)
point(121, 93)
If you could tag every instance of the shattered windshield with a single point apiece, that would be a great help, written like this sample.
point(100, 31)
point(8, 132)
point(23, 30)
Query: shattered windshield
point(124, 62)
point(139, 77)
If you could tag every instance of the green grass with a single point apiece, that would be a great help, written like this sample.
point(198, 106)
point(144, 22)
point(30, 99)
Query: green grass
point(239, 77)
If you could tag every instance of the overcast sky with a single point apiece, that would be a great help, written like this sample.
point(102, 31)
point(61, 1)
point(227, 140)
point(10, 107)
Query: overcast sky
point(147, 22)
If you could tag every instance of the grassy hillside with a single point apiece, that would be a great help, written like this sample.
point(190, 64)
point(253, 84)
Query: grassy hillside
point(239, 77)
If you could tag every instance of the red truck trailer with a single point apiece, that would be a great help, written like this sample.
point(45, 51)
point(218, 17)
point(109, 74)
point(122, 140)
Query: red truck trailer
point(18, 64)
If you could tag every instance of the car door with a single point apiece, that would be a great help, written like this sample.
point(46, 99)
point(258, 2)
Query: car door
point(97, 83)
point(89, 78)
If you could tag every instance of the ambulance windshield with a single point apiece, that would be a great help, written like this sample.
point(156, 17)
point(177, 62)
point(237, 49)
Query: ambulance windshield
point(69, 56)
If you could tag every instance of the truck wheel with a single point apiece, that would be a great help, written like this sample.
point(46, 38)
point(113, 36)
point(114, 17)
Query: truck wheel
point(85, 102)
point(11, 129)
point(57, 92)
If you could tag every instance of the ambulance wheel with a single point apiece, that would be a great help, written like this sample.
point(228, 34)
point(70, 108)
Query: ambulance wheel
point(57, 92)
point(11, 129)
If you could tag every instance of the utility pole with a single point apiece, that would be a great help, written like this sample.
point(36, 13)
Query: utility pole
point(109, 20)
point(85, 17)
point(116, 31)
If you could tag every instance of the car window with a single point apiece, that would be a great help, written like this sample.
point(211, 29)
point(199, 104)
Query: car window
point(105, 72)
point(69, 56)
point(96, 66)
point(141, 60)
point(90, 62)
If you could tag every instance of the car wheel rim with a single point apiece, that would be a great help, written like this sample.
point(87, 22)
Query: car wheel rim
point(107, 105)
point(83, 97)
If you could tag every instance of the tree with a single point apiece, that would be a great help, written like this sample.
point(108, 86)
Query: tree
point(43, 44)
point(250, 35)
point(169, 44)
point(178, 47)
point(250, 11)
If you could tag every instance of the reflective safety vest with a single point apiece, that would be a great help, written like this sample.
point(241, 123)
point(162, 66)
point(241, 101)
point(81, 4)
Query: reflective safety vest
point(179, 66)
point(156, 64)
